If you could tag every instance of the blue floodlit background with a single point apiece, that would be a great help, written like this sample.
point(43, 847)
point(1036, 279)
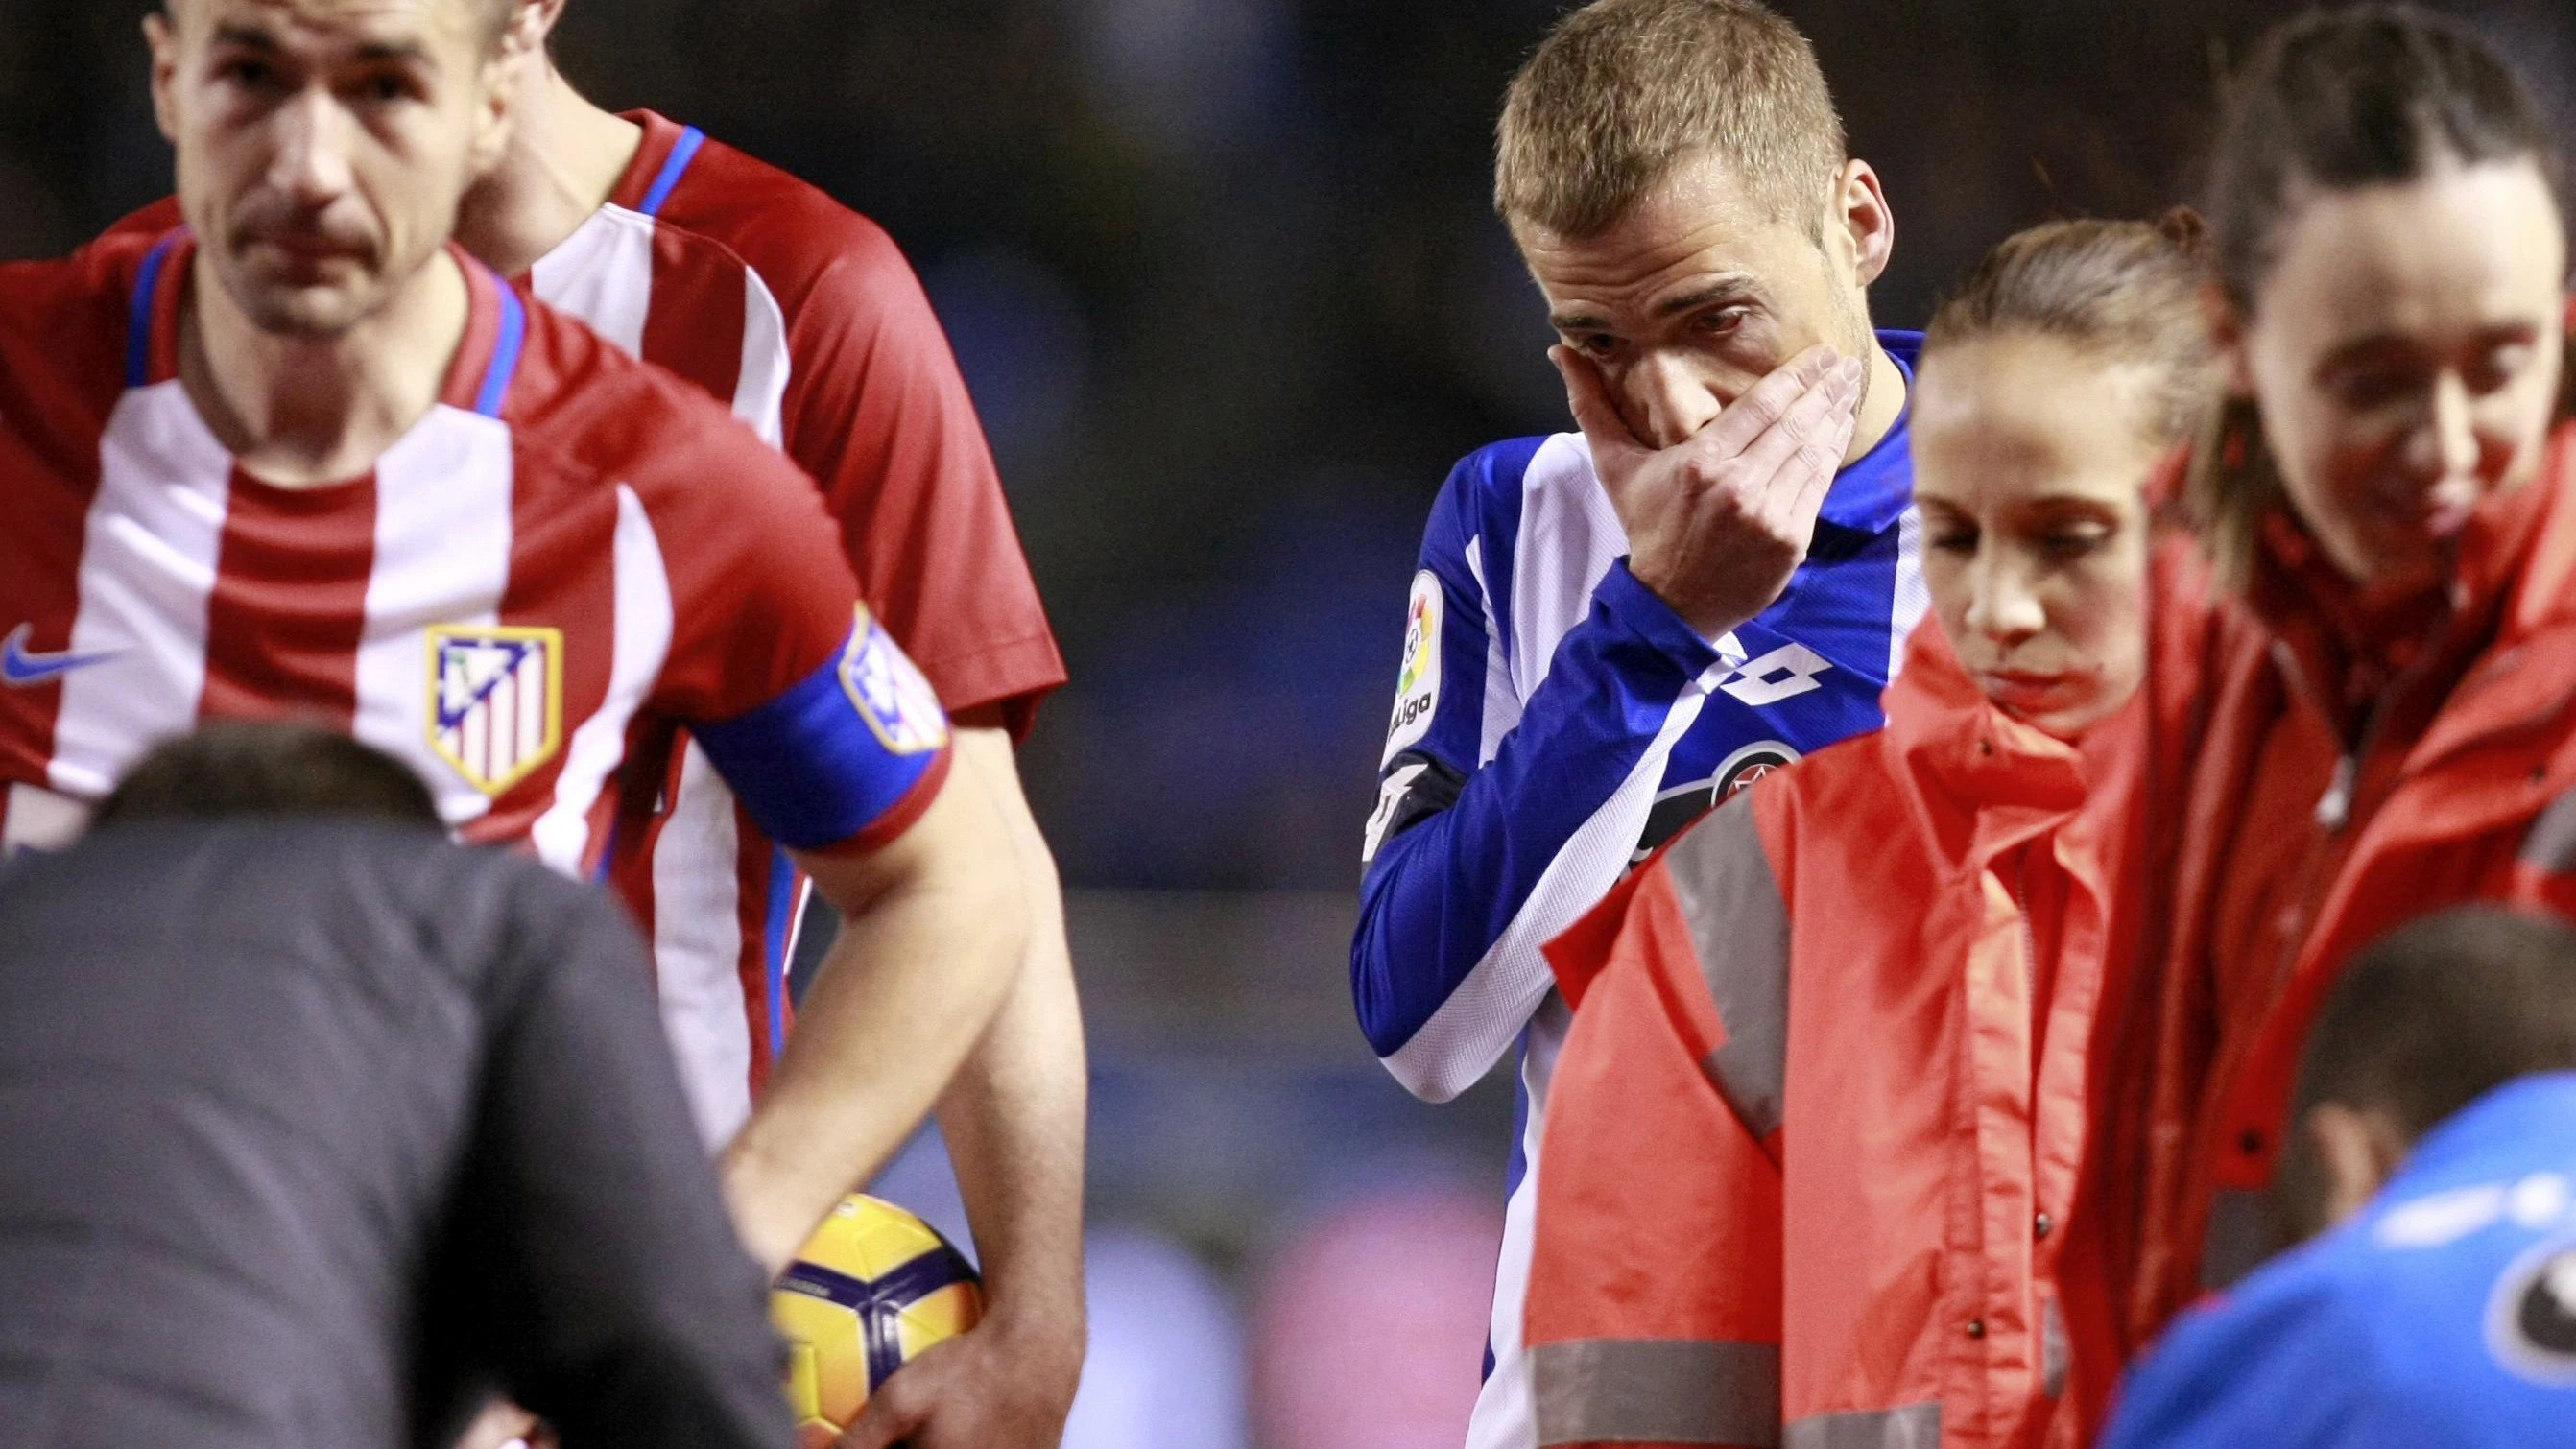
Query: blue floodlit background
point(1225, 283)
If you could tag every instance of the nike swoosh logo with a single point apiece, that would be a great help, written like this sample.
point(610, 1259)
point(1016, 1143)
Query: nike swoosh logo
point(23, 670)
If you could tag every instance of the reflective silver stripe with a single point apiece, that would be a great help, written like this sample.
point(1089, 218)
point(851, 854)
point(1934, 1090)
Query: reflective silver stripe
point(2054, 1351)
point(1740, 928)
point(2241, 1235)
point(2550, 844)
point(1916, 1426)
point(1657, 1391)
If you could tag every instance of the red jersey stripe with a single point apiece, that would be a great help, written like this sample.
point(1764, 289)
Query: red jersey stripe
point(694, 323)
point(290, 601)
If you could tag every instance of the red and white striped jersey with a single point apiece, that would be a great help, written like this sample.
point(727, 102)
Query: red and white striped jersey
point(804, 317)
point(567, 551)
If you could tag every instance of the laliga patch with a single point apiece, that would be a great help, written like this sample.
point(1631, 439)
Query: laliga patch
point(2531, 1316)
point(495, 701)
point(892, 696)
point(1417, 684)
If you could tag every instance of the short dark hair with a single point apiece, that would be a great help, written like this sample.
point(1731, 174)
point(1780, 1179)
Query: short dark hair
point(244, 767)
point(2429, 1018)
point(2436, 1014)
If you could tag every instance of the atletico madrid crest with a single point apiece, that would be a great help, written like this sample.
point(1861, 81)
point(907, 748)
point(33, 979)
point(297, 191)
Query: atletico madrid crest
point(495, 701)
point(891, 694)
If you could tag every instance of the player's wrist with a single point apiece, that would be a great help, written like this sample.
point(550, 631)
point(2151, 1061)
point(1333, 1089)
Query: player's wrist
point(1650, 613)
point(1043, 1332)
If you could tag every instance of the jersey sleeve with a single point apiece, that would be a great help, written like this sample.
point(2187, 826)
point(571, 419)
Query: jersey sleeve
point(878, 413)
point(825, 729)
point(1501, 818)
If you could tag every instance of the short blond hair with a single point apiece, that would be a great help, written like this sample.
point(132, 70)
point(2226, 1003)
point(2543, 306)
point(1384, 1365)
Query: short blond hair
point(1623, 90)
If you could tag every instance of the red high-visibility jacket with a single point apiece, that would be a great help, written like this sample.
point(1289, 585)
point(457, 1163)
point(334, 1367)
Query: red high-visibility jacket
point(1816, 1159)
point(2325, 808)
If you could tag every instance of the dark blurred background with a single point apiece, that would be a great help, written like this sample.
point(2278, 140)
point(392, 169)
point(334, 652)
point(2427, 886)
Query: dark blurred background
point(1223, 277)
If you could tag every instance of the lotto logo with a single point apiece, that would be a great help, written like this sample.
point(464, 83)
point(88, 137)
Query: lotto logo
point(1784, 673)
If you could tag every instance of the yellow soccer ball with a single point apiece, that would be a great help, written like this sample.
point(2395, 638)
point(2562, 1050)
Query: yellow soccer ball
point(869, 1292)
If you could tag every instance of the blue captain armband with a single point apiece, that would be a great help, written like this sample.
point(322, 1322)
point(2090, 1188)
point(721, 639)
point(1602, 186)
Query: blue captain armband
point(848, 756)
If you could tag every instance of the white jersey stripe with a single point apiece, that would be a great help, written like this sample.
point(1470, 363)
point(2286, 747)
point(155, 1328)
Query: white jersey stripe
point(643, 631)
point(443, 498)
point(603, 274)
point(1569, 534)
point(1505, 1414)
point(1502, 707)
point(147, 572)
point(1912, 596)
point(760, 394)
point(697, 941)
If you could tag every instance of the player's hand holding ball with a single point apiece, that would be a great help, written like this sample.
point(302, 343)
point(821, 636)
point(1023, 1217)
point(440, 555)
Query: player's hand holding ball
point(1719, 521)
point(878, 1290)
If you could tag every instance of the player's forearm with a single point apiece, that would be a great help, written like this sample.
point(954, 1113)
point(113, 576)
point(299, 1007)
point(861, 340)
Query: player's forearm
point(921, 965)
point(1014, 1117)
point(1442, 892)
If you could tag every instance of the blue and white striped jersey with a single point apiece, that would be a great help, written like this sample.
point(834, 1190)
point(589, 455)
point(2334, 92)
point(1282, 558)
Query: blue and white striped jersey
point(1554, 721)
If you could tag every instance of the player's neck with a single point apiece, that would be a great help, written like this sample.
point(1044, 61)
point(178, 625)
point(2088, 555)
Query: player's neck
point(565, 159)
point(1881, 408)
point(309, 412)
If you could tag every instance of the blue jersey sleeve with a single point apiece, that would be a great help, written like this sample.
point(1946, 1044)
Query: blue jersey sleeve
point(1460, 838)
point(845, 759)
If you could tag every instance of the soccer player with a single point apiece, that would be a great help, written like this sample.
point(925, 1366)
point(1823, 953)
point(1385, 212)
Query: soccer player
point(303, 457)
point(1613, 629)
point(1818, 1158)
point(351, 1121)
point(803, 317)
point(2437, 1113)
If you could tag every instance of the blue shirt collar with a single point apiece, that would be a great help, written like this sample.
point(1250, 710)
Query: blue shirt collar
point(1874, 491)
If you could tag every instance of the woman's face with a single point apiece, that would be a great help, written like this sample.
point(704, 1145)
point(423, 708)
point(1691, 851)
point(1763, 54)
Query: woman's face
point(2405, 349)
point(2030, 463)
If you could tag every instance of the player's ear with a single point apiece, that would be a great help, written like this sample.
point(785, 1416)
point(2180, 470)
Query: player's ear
point(495, 104)
point(532, 24)
point(163, 39)
point(1860, 213)
point(2357, 1152)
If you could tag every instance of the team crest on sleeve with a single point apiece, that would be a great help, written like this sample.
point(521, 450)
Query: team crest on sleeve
point(890, 691)
point(495, 701)
point(1417, 684)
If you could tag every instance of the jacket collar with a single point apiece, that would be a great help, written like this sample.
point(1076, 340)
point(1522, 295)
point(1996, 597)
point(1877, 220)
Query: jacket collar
point(2500, 662)
point(1980, 781)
